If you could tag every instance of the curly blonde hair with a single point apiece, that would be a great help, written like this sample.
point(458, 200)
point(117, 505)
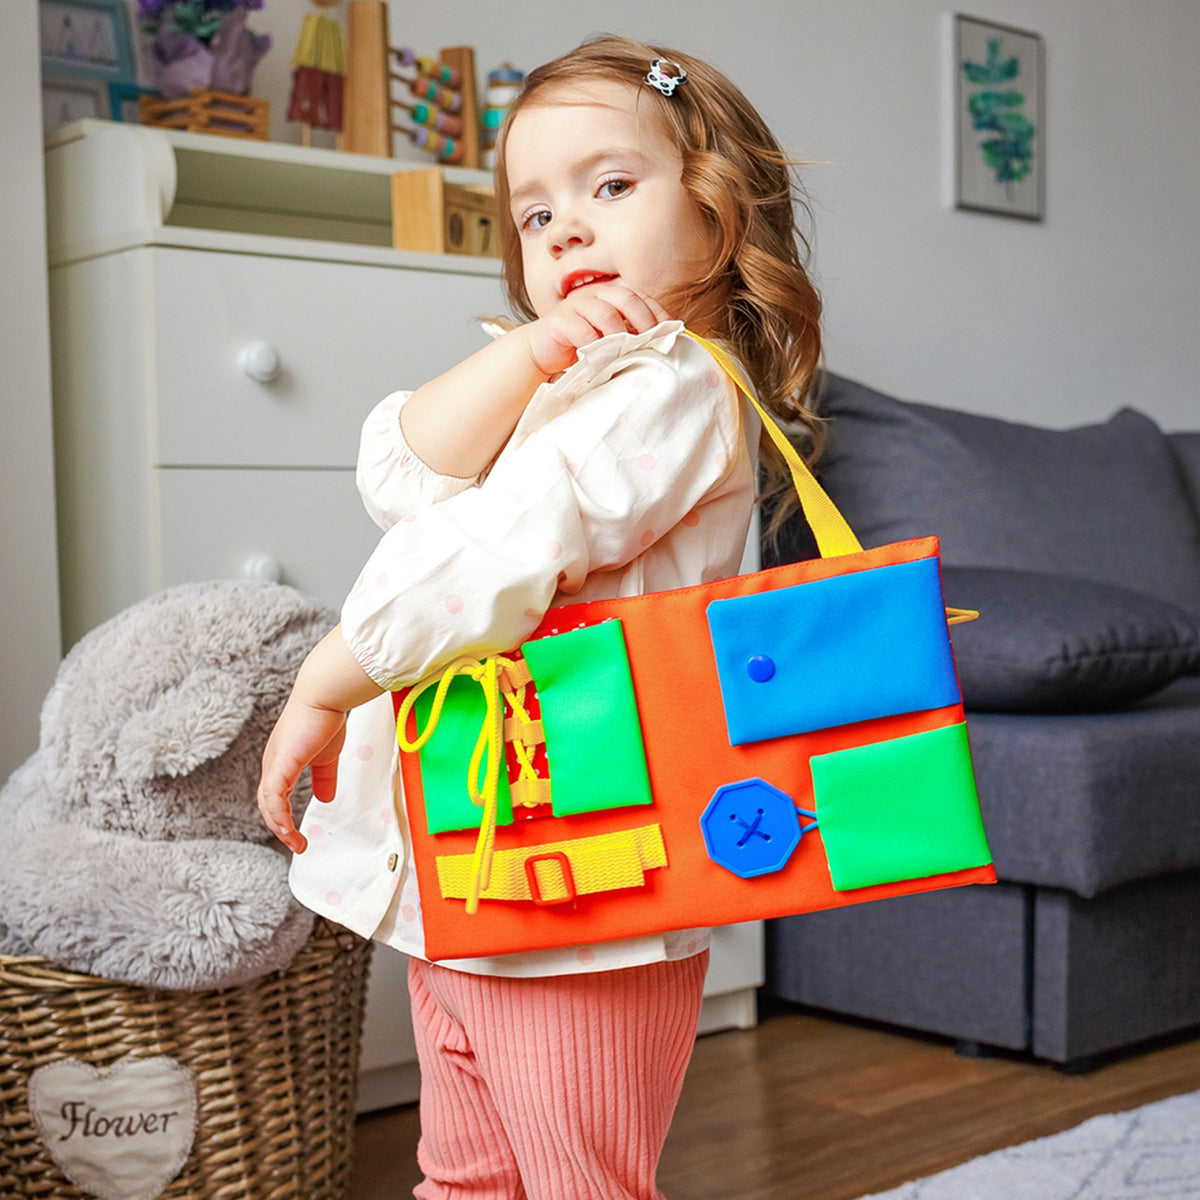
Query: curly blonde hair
point(756, 295)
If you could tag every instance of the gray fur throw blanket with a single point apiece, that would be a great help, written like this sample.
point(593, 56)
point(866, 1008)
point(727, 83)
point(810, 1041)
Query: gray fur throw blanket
point(130, 844)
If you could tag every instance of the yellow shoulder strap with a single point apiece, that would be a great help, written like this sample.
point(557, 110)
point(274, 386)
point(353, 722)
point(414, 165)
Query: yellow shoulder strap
point(831, 530)
point(833, 533)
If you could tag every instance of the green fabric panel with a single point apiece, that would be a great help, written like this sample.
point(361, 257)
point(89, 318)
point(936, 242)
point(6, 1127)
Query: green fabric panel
point(446, 759)
point(593, 735)
point(900, 809)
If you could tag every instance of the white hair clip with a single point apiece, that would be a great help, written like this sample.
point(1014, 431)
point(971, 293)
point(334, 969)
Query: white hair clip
point(666, 75)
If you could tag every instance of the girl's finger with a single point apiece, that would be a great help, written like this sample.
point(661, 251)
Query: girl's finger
point(639, 311)
point(324, 780)
point(659, 313)
point(648, 312)
point(277, 816)
point(603, 315)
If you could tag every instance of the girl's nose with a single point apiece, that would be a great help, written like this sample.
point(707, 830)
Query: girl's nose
point(567, 232)
point(559, 244)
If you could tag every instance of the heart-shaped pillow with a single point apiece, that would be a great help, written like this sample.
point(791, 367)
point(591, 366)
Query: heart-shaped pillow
point(121, 1133)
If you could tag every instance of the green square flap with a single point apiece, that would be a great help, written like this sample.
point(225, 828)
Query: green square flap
point(446, 759)
point(589, 712)
point(901, 809)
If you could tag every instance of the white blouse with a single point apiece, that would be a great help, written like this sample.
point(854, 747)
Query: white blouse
point(633, 471)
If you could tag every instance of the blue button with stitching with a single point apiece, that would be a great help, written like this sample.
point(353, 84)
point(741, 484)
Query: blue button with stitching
point(752, 828)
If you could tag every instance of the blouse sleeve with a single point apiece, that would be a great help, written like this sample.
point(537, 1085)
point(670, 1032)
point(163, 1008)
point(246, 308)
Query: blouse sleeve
point(392, 480)
point(590, 489)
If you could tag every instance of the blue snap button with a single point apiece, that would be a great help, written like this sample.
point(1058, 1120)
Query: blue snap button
point(760, 668)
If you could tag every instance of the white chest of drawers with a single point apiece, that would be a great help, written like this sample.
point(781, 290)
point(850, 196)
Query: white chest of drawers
point(223, 316)
point(174, 462)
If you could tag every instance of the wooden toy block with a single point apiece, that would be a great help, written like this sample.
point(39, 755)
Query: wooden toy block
point(366, 116)
point(432, 215)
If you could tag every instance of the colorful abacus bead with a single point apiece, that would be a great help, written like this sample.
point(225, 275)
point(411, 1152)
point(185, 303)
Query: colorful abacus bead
point(429, 67)
point(434, 118)
point(432, 69)
point(442, 97)
point(446, 149)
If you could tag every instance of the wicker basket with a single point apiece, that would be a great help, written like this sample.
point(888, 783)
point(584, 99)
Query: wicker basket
point(275, 1063)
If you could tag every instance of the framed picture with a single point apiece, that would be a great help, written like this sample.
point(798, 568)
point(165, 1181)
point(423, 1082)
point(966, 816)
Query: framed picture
point(65, 99)
point(123, 101)
point(86, 39)
point(999, 119)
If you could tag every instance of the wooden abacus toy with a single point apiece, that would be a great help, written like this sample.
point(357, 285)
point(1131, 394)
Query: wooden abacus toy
point(443, 106)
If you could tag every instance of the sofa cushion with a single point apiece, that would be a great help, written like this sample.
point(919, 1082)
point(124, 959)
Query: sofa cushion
point(1090, 801)
point(1050, 643)
point(1186, 447)
point(1102, 502)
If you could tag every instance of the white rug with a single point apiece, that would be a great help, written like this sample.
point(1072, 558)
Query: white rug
point(1150, 1153)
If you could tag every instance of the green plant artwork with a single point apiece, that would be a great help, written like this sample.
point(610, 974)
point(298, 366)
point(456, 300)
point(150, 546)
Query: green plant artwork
point(996, 111)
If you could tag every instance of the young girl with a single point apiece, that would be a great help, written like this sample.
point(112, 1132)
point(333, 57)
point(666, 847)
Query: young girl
point(594, 451)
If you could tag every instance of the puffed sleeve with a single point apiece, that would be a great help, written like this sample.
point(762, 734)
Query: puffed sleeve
point(392, 480)
point(588, 482)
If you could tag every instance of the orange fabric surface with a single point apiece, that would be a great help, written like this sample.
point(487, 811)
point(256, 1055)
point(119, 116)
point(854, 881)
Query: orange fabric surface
point(689, 757)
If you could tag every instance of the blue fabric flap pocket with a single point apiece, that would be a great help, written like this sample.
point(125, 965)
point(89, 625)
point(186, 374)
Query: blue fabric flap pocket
point(830, 652)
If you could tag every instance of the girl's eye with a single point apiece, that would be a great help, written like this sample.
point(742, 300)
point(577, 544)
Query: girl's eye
point(537, 220)
point(610, 189)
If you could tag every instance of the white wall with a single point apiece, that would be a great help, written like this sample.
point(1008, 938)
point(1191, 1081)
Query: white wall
point(29, 638)
point(1056, 322)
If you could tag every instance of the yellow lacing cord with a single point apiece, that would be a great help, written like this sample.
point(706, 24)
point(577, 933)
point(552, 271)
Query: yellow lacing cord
point(522, 750)
point(487, 755)
point(529, 789)
point(830, 529)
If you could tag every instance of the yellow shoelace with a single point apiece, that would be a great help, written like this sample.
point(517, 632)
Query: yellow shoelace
point(488, 754)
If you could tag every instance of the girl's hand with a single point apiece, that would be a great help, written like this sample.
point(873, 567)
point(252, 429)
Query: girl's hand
point(305, 735)
point(310, 732)
point(457, 423)
point(584, 316)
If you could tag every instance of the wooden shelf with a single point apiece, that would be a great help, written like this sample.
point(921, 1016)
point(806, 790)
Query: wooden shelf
point(170, 187)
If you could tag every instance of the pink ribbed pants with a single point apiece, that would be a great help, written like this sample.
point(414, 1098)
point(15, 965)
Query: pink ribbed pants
point(558, 1088)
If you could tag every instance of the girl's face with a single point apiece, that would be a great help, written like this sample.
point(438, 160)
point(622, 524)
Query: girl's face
point(596, 196)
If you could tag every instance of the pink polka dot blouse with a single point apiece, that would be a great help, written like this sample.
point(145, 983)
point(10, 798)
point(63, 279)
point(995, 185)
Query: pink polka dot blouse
point(633, 471)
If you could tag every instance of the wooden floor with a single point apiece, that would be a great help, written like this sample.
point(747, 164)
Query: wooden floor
point(807, 1108)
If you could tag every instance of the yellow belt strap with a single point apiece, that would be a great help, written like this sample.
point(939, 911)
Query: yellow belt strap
point(560, 870)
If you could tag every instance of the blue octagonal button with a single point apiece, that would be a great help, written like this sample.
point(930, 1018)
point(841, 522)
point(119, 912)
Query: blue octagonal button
point(752, 828)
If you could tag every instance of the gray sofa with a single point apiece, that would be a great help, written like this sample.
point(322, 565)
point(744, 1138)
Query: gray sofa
point(1081, 548)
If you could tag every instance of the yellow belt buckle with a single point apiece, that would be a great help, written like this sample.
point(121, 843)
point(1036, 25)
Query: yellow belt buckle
point(568, 879)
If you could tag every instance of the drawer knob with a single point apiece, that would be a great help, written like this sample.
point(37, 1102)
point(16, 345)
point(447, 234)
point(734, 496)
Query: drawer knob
point(265, 567)
point(260, 360)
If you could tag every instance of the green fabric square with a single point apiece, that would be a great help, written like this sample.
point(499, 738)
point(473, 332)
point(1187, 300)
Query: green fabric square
point(589, 712)
point(901, 809)
point(446, 758)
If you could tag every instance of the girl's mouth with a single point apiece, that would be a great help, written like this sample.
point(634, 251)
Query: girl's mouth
point(578, 279)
